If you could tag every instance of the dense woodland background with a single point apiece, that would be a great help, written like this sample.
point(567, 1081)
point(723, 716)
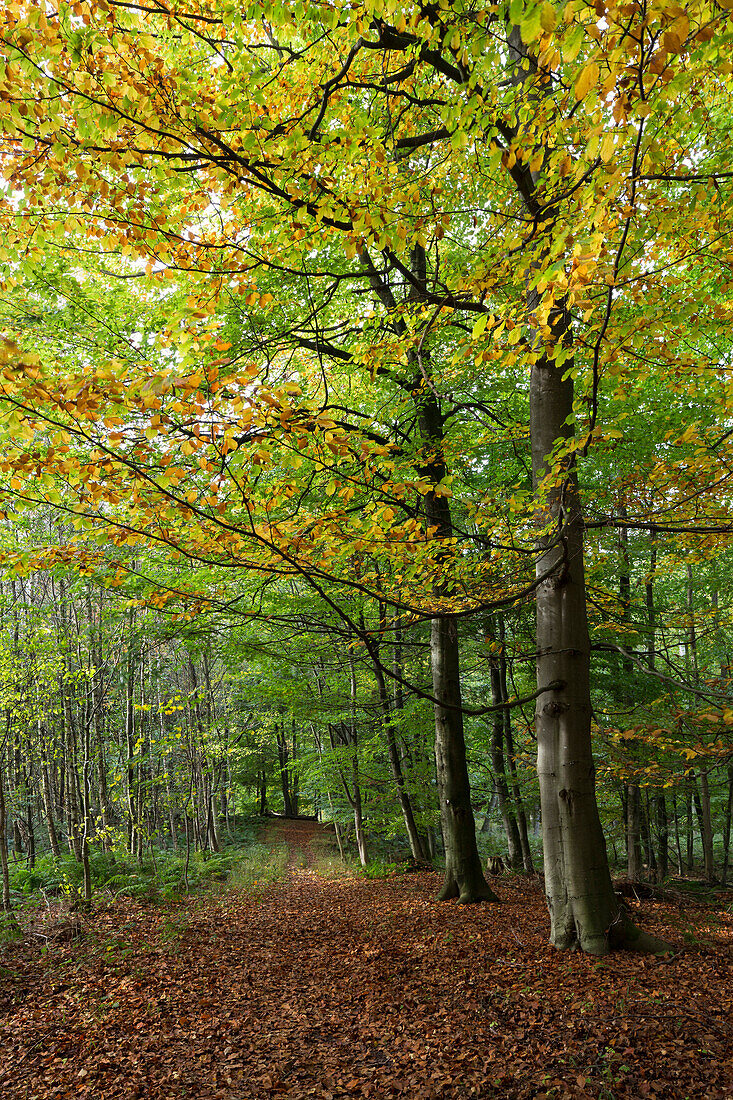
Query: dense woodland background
point(366, 385)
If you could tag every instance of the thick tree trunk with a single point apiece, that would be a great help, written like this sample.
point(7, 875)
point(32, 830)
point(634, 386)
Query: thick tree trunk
point(584, 910)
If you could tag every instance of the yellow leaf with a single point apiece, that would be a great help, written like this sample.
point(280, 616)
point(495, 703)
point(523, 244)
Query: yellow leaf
point(587, 79)
point(548, 18)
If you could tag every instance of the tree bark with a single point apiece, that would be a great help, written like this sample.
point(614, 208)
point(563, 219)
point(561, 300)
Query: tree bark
point(509, 742)
point(702, 806)
point(509, 821)
point(283, 756)
point(662, 835)
point(726, 827)
point(464, 877)
point(584, 910)
point(4, 869)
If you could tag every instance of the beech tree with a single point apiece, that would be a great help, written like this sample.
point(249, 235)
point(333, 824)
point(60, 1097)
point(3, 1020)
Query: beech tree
point(426, 198)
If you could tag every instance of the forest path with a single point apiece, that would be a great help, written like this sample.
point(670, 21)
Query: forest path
point(305, 840)
point(344, 987)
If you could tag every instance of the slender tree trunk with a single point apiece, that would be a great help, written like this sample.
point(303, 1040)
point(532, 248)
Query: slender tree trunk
point(214, 842)
point(352, 736)
point(395, 764)
point(358, 815)
point(625, 689)
point(129, 719)
point(509, 821)
point(171, 816)
point(688, 826)
point(509, 742)
point(464, 877)
point(647, 839)
point(283, 755)
point(663, 835)
point(702, 806)
point(677, 836)
point(7, 904)
point(660, 800)
point(48, 809)
point(633, 832)
point(726, 827)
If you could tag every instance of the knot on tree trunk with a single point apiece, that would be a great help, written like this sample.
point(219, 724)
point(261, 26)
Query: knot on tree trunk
point(567, 796)
point(555, 707)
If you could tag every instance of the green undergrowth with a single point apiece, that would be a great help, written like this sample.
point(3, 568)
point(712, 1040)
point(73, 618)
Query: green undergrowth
point(329, 864)
point(384, 869)
point(162, 875)
point(259, 865)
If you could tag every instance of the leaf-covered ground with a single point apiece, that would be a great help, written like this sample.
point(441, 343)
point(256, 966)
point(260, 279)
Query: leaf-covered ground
point(352, 988)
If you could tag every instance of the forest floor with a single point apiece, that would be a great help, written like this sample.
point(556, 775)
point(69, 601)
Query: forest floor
point(335, 987)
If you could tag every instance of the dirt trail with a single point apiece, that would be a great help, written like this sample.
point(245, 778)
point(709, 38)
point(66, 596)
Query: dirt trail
point(302, 838)
point(336, 988)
